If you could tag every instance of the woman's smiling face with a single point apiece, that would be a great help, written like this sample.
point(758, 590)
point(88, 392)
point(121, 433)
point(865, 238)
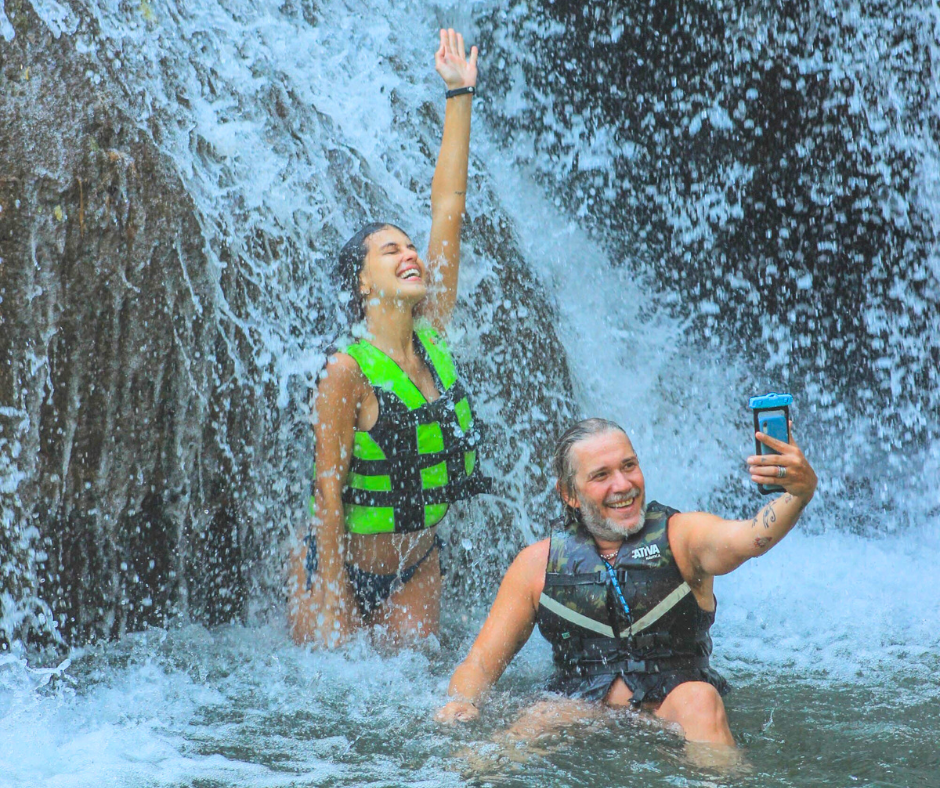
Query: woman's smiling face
point(392, 269)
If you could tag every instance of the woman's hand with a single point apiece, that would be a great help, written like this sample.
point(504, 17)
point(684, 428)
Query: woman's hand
point(451, 62)
point(333, 621)
point(321, 613)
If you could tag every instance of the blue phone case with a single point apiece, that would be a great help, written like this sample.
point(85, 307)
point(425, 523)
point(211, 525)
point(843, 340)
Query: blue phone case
point(772, 417)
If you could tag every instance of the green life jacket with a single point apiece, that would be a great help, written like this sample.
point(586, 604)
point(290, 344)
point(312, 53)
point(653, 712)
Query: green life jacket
point(420, 456)
point(584, 618)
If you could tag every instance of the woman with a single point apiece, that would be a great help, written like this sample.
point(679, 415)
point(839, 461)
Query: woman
point(394, 432)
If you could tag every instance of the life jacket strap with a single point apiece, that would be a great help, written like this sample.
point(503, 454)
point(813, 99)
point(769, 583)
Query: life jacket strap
point(574, 617)
point(462, 488)
point(555, 579)
point(662, 665)
point(644, 622)
point(456, 449)
point(598, 649)
point(667, 604)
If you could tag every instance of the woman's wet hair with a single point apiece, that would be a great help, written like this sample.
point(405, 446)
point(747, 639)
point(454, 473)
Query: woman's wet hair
point(563, 462)
point(351, 259)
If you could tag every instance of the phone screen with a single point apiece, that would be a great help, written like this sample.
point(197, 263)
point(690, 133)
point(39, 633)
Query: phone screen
point(774, 424)
point(771, 417)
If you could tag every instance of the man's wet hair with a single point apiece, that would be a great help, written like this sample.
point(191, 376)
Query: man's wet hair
point(349, 265)
point(562, 461)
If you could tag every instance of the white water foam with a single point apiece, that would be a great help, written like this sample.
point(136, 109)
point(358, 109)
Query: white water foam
point(6, 27)
point(235, 707)
point(837, 607)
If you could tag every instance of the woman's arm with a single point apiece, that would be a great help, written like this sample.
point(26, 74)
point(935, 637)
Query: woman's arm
point(449, 187)
point(326, 612)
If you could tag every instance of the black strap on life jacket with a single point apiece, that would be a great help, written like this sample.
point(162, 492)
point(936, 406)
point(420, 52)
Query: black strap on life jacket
point(396, 432)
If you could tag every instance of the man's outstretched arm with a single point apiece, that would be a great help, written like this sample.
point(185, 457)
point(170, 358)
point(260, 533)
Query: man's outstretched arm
point(715, 546)
point(505, 631)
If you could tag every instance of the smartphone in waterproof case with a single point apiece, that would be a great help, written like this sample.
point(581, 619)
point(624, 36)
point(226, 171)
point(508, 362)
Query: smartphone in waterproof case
point(772, 417)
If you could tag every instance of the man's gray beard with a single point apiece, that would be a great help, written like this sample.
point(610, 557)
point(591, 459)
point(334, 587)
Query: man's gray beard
point(601, 527)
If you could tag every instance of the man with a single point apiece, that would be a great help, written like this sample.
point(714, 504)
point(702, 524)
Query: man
point(623, 590)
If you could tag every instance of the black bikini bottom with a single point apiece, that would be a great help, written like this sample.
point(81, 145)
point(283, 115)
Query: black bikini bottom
point(373, 590)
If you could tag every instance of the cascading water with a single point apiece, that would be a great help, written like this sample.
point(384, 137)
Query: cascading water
point(237, 124)
point(181, 177)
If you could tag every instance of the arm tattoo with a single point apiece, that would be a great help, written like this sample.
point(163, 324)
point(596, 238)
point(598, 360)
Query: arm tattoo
point(770, 515)
point(789, 497)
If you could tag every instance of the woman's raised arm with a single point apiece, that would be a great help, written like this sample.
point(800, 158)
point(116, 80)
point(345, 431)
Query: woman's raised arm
point(449, 187)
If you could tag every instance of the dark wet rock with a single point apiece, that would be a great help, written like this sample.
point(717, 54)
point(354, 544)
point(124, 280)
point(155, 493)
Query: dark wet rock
point(107, 344)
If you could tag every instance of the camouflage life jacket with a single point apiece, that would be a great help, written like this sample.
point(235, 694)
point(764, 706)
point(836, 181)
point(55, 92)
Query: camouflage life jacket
point(652, 624)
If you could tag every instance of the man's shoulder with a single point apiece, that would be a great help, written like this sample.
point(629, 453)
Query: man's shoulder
point(527, 573)
point(682, 521)
point(685, 519)
point(687, 527)
point(532, 562)
point(535, 556)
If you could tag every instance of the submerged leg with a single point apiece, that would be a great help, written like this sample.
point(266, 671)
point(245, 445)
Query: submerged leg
point(514, 747)
point(413, 612)
point(549, 716)
point(698, 709)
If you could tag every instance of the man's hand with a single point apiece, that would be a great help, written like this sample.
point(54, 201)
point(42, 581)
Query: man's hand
point(706, 545)
point(504, 632)
point(457, 711)
point(789, 469)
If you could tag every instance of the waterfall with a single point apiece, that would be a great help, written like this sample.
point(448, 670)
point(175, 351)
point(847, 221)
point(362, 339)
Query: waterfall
point(174, 300)
point(726, 206)
point(772, 168)
point(672, 207)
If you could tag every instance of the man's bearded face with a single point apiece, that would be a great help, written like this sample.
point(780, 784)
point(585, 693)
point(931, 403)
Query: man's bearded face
point(607, 528)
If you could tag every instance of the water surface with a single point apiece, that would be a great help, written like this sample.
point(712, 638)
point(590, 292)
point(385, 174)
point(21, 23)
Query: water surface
point(832, 687)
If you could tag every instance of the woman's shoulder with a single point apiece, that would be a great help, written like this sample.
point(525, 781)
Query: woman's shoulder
point(341, 359)
point(341, 373)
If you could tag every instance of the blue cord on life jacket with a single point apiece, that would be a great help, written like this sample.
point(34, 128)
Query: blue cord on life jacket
point(613, 579)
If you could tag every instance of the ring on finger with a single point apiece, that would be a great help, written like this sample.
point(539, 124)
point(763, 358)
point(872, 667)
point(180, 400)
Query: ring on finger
point(781, 471)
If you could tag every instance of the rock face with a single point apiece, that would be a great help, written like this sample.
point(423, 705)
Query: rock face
point(109, 379)
point(153, 464)
point(771, 165)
